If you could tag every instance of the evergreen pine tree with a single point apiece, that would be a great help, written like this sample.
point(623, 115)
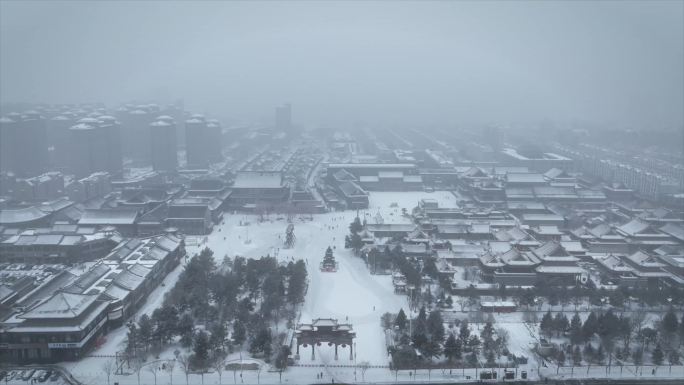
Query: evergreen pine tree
point(200, 349)
point(474, 342)
point(487, 336)
point(239, 332)
point(561, 358)
point(431, 349)
point(600, 355)
point(281, 360)
point(452, 348)
point(186, 326)
point(491, 359)
point(464, 332)
point(218, 335)
point(576, 330)
point(356, 226)
point(472, 360)
point(420, 330)
point(435, 326)
point(547, 326)
point(297, 282)
point(577, 356)
point(400, 320)
point(356, 243)
point(145, 330)
point(673, 357)
point(590, 326)
point(657, 355)
point(670, 323)
point(132, 340)
point(560, 323)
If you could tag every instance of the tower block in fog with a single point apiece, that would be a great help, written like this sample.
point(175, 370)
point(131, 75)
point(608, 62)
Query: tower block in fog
point(163, 145)
point(111, 130)
point(135, 130)
point(8, 142)
point(202, 141)
point(23, 141)
point(59, 127)
point(283, 117)
point(88, 148)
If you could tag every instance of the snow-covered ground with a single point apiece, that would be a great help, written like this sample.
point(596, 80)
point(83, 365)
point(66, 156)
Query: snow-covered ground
point(351, 294)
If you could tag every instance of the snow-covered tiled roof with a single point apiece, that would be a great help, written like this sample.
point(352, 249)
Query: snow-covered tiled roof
point(258, 180)
point(676, 231)
point(633, 227)
point(108, 217)
point(21, 215)
point(525, 178)
point(61, 305)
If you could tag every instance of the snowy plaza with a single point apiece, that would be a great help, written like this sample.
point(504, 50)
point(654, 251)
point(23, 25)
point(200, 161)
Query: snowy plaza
point(351, 294)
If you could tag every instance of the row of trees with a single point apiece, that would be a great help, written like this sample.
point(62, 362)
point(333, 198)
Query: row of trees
point(650, 295)
point(614, 335)
point(353, 240)
point(426, 334)
point(240, 301)
point(461, 348)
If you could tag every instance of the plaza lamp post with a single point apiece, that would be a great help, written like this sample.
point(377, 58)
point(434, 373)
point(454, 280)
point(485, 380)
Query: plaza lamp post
point(355, 367)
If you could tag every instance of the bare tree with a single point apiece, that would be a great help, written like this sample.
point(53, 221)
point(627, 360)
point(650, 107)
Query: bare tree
point(152, 369)
point(184, 361)
point(364, 365)
point(462, 301)
point(109, 368)
point(137, 364)
point(168, 367)
point(638, 321)
point(218, 363)
point(235, 369)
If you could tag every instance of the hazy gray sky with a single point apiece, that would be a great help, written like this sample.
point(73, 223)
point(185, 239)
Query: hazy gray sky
point(338, 62)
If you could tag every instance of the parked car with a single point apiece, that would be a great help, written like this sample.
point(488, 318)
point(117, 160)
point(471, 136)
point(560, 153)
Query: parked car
point(11, 375)
point(55, 376)
point(28, 374)
point(44, 377)
point(39, 373)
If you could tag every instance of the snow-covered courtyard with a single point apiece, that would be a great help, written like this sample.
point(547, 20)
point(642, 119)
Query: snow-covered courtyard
point(351, 294)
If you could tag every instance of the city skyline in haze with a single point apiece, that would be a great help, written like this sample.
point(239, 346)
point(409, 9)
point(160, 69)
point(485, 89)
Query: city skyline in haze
point(405, 63)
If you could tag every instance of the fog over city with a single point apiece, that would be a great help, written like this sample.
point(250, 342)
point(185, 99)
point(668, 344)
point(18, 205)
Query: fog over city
point(612, 63)
point(350, 192)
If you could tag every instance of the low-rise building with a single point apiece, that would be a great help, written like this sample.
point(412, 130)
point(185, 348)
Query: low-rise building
point(254, 188)
point(63, 244)
point(64, 319)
